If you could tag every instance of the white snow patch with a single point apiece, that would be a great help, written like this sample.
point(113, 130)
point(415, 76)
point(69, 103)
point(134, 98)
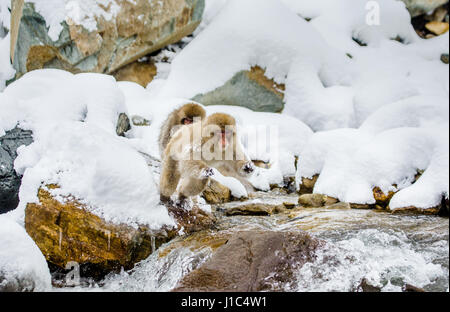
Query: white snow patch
point(22, 265)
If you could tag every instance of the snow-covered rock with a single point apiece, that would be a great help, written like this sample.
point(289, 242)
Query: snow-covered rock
point(22, 265)
point(419, 7)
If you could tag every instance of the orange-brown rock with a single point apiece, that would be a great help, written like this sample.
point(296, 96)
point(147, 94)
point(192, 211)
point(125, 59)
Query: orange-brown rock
point(381, 198)
point(141, 73)
point(69, 232)
point(307, 186)
point(216, 193)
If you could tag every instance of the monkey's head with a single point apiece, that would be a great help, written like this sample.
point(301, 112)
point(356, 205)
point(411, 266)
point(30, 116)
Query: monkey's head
point(222, 127)
point(188, 113)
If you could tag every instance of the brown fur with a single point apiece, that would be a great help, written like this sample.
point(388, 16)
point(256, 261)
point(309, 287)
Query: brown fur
point(175, 118)
point(195, 174)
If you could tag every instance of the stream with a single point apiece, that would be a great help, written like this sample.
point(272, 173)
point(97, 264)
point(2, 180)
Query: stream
point(386, 250)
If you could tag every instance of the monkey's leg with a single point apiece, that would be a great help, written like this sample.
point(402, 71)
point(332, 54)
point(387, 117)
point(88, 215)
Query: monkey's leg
point(170, 177)
point(195, 177)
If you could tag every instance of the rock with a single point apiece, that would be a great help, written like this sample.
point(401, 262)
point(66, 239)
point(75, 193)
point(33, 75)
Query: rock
point(361, 206)
point(419, 7)
point(343, 206)
point(123, 124)
point(22, 266)
point(191, 221)
point(250, 89)
point(416, 211)
point(411, 288)
point(444, 58)
point(289, 206)
point(138, 28)
point(139, 72)
point(437, 28)
point(216, 193)
point(365, 286)
point(255, 209)
point(307, 186)
point(381, 198)
point(69, 232)
point(316, 200)
point(140, 121)
point(252, 261)
point(9, 180)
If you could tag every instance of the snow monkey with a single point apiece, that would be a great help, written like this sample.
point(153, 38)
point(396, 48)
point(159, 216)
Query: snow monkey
point(185, 115)
point(194, 150)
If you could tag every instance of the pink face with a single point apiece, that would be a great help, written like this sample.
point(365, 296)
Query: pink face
point(187, 121)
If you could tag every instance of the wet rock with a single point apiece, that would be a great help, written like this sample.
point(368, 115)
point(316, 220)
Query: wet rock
point(9, 180)
point(139, 28)
point(251, 89)
point(193, 220)
point(141, 73)
point(417, 211)
point(381, 198)
point(419, 7)
point(123, 124)
point(69, 232)
point(267, 260)
point(361, 206)
point(411, 288)
point(316, 200)
point(255, 209)
point(343, 206)
point(216, 193)
point(437, 28)
point(365, 286)
point(307, 186)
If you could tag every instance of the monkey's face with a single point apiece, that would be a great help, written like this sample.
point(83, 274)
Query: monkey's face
point(225, 136)
point(187, 121)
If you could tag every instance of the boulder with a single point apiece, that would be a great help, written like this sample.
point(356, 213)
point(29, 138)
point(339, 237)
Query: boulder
point(68, 232)
point(216, 193)
point(381, 198)
point(251, 89)
point(266, 261)
point(316, 200)
point(116, 36)
point(123, 124)
point(141, 73)
point(419, 7)
point(307, 186)
point(9, 180)
point(437, 28)
point(254, 209)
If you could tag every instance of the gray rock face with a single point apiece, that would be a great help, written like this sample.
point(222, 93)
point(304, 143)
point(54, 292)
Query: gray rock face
point(419, 7)
point(139, 28)
point(250, 89)
point(9, 180)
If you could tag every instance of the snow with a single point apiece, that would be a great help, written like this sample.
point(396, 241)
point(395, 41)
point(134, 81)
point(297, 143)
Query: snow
point(22, 265)
point(79, 12)
point(236, 187)
point(73, 119)
point(379, 110)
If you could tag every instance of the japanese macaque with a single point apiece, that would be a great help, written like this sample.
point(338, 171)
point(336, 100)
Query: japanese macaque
point(185, 115)
point(195, 150)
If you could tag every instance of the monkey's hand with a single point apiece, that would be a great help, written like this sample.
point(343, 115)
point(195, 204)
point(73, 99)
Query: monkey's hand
point(248, 168)
point(207, 172)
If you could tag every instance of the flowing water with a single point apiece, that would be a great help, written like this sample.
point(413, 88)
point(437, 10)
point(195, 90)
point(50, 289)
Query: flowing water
point(386, 250)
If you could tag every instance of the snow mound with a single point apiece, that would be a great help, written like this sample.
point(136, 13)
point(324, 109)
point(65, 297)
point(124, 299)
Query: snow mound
point(73, 119)
point(388, 151)
point(22, 265)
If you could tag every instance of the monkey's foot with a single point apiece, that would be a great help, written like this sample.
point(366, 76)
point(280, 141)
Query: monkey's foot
point(166, 200)
point(248, 168)
point(208, 172)
point(184, 203)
